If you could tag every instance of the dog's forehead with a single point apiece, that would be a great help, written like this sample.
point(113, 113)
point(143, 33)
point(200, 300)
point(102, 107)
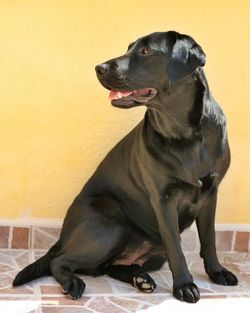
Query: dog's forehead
point(157, 41)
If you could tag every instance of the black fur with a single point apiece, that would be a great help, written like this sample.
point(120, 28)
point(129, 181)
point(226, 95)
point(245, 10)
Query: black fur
point(37, 269)
point(154, 183)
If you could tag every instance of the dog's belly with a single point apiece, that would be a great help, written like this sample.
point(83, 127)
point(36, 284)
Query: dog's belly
point(140, 254)
point(139, 249)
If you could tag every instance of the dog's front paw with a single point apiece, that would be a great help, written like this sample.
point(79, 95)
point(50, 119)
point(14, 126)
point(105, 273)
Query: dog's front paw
point(187, 292)
point(223, 277)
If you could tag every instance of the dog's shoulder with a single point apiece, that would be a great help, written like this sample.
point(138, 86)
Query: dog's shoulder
point(212, 113)
point(214, 127)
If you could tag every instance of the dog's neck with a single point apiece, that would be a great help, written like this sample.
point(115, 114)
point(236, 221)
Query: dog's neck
point(177, 113)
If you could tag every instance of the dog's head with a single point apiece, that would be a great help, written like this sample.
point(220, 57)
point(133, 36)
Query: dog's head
point(150, 64)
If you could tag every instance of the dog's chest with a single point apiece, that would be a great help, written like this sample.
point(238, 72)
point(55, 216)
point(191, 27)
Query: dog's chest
point(188, 163)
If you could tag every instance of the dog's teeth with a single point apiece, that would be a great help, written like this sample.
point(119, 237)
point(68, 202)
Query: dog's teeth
point(119, 95)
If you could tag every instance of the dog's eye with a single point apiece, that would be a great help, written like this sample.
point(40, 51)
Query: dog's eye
point(145, 51)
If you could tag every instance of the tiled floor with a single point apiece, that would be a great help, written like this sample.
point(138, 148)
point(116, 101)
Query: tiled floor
point(104, 294)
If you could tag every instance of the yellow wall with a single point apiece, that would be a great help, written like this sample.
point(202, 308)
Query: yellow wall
point(56, 122)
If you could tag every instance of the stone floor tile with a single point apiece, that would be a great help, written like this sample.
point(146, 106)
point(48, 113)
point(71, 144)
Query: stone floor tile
point(224, 240)
point(51, 289)
point(127, 303)
point(241, 241)
point(97, 285)
point(6, 286)
point(239, 295)
point(192, 256)
point(161, 281)
point(189, 240)
point(44, 237)
point(64, 300)
point(103, 304)
point(11, 262)
point(4, 236)
point(37, 254)
point(19, 305)
point(116, 286)
point(23, 259)
point(18, 297)
point(106, 295)
point(213, 296)
point(64, 309)
point(20, 237)
point(153, 298)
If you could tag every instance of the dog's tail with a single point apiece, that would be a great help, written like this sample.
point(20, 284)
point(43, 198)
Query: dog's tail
point(37, 269)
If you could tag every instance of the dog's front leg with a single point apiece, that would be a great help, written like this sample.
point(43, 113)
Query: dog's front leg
point(205, 224)
point(167, 216)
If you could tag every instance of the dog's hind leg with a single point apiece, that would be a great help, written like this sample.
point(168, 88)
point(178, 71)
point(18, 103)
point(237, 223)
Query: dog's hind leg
point(133, 274)
point(86, 252)
point(62, 269)
point(88, 241)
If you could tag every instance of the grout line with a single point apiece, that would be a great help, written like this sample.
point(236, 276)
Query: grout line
point(31, 256)
point(22, 222)
point(164, 279)
point(233, 241)
point(37, 291)
point(197, 248)
point(197, 240)
point(29, 238)
point(57, 222)
point(17, 295)
point(86, 305)
point(10, 237)
point(32, 236)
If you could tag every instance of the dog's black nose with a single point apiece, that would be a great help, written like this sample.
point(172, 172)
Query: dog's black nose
point(102, 68)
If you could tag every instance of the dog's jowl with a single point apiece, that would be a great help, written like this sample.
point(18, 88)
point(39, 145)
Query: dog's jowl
point(154, 183)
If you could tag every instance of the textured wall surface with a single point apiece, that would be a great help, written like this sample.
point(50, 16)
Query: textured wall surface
point(56, 122)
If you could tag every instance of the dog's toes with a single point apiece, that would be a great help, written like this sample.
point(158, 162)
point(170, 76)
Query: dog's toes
point(144, 283)
point(73, 287)
point(223, 277)
point(188, 293)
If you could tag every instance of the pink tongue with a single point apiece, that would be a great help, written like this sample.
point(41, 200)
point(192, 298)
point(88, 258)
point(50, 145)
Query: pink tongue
point(114, 94)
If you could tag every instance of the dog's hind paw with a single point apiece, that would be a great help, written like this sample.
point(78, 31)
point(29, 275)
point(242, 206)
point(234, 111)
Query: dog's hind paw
point(223, 277)
point(73, 287)
point(144, 283)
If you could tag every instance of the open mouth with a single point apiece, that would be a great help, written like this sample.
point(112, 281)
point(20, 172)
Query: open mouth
point(127, 99)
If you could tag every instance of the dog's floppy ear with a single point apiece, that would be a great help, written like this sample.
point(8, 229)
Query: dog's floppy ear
point(185, 57)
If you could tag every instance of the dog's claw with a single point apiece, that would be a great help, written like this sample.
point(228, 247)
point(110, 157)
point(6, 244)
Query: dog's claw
point(188, 293)
point(223, 277)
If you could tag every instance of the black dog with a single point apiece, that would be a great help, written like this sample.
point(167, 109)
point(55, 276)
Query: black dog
point(154, 183)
